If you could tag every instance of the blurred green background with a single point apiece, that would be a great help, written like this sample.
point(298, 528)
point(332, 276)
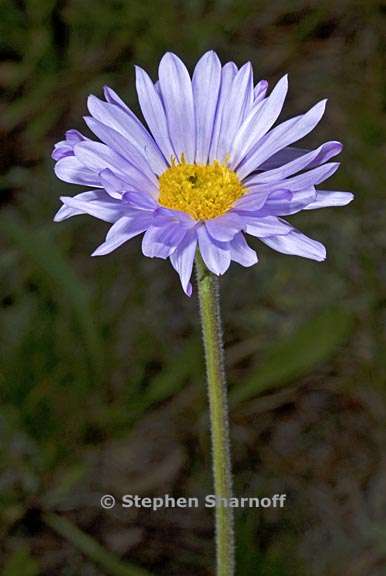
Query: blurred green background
point(101, 378)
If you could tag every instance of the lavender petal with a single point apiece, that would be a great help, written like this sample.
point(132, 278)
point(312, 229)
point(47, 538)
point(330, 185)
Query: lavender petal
point(124, 149)
point(260, 91)
point(182, 260)
point(160, 241)
point(206, 86)
point(130, 128)
point(297, 244)
point(236, 107)
point(223, 228)
point(177, 97)
point(308, 160)
point(262, 227)
point(216, 255)
point(96, 203)
point(70, 170)
point(228, 74)
point(283, 135)
point(241, 252)
point(258, 122)
point(123, 230)
point(326, 198)
point(154, 113)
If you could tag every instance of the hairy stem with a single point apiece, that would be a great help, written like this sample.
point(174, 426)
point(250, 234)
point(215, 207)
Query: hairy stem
point(217, 391)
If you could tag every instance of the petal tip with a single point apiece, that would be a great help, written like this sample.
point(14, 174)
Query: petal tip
point(339, 146)
point(169, 56)
point(255, 260)
point(88, 120)
point(92, 102)
point(57, 217)
point(100, 251)
point(188, 290)
point(322, 256)
point(212, 54)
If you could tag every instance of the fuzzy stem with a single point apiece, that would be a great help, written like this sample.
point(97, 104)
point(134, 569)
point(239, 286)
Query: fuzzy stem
point(214, 354)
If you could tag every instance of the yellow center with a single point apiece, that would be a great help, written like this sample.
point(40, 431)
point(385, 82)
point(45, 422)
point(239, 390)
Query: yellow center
point(203, 191)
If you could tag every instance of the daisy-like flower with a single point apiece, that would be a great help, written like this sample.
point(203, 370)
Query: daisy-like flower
point(209, 168)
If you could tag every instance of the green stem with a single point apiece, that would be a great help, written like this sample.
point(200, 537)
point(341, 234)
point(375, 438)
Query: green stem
point(214, 354)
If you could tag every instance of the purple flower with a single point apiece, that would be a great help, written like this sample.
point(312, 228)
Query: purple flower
point(210, 168)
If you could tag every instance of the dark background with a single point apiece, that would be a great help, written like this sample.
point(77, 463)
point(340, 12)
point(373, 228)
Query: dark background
point(101, 379)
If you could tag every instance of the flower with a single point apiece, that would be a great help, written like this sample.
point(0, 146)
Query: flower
point(210, 168)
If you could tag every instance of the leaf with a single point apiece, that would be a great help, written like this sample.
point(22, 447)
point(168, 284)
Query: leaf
point(250, 559)
point(313, 343)
point(169, 381)
point(67, 480)
point(91, 548)
point(247, 552)
point(172, 379)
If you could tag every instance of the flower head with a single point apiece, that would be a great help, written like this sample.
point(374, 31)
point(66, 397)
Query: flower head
point(209, 168)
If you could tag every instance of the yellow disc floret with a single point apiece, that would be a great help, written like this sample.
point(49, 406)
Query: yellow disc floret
point(203, 191)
